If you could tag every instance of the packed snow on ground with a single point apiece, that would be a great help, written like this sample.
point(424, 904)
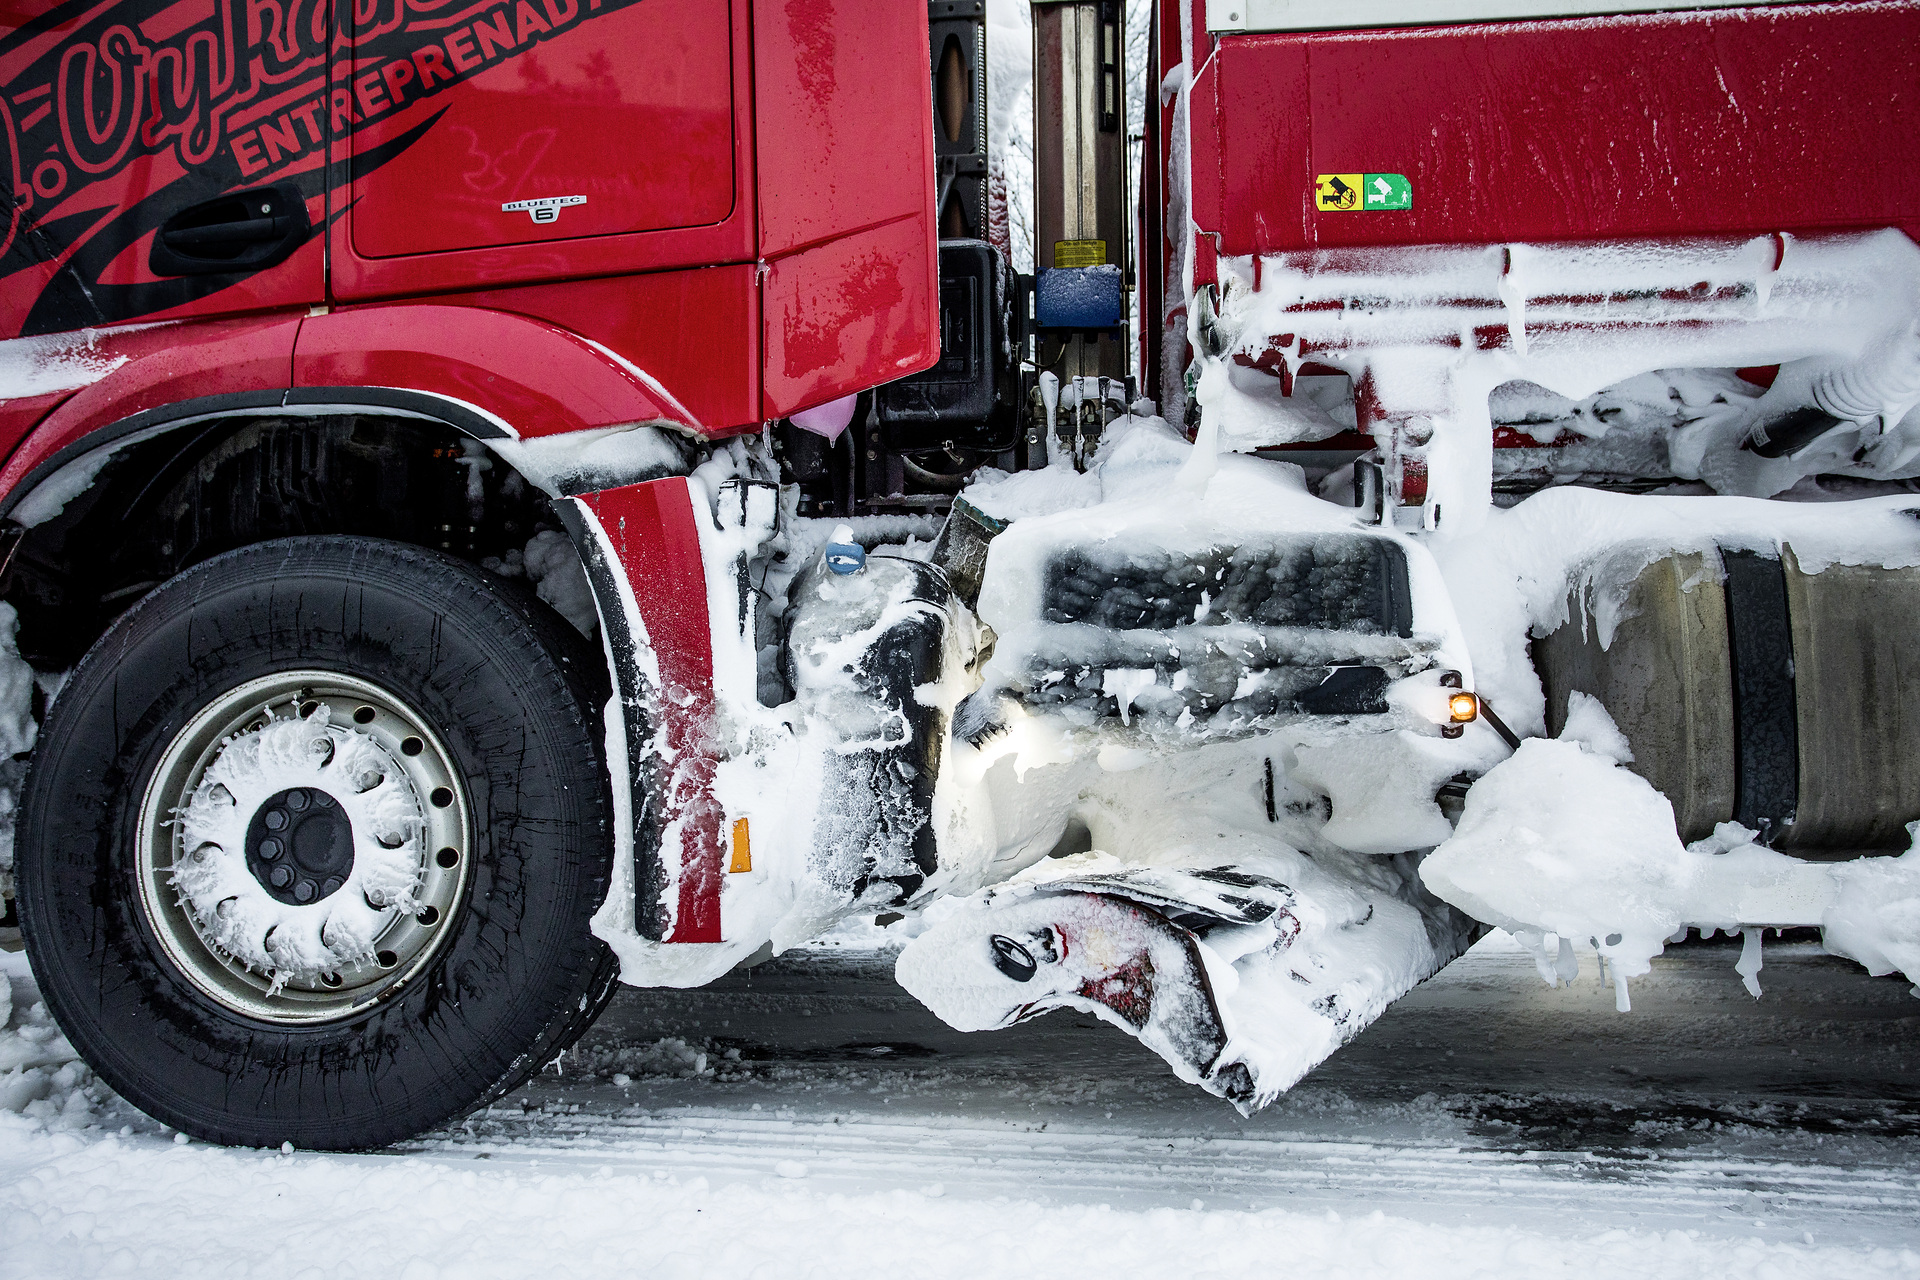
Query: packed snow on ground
point(88, 1188)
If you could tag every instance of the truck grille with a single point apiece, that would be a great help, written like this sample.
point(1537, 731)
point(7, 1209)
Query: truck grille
point(1330, 583)
point(1223, 640)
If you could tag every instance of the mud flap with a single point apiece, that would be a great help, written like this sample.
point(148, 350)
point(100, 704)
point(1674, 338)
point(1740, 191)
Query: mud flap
point(1238, 979)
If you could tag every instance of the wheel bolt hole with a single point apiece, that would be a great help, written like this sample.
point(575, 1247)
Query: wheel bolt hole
point(429, 916)
point(387, 959)
point(331, 979)
point(441, 797)
point(308, 708)
point(368, 779)
point(412, 746)
point(448, 857)
point(364, 715)
point(389, 839)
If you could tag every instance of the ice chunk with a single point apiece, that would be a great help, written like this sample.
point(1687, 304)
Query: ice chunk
point(1561, 839)
point(1876, 917)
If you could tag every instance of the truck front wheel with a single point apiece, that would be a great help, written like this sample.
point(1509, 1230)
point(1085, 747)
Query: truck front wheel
point(311, 841)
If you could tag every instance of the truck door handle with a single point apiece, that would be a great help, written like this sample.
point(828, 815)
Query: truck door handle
point(241, 231)
point(231, 235)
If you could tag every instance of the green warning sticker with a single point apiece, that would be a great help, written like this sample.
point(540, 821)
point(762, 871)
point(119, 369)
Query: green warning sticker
point(1358, 192)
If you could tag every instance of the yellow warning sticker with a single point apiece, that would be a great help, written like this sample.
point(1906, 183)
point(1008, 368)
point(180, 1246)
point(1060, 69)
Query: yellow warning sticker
point(1334, 192)
point(1344, 192)
point(1079, 253)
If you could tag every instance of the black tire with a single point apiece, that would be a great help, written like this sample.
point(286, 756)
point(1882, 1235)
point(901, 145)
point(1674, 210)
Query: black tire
point(512, 692)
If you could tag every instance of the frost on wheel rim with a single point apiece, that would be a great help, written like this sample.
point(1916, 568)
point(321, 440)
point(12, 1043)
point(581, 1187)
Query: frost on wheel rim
point(303, 847)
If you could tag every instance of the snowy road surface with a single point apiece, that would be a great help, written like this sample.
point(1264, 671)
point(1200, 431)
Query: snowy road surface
point(807, 1118)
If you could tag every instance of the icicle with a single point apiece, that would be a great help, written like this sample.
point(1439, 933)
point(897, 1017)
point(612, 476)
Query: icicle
point(1569, 964)
point(1749, 966)
point(1620, 1002)
point(1678, 935)
point(1543, 961)
point(1050, 397)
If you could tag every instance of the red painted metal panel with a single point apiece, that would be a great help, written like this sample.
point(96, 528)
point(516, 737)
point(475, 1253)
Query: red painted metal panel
point(165, 364)
point(100, 142)
point(697, 332)
point(844, 111)
point(21, 414)
point(536, 377)
point(1727, 121)
point(628, 106)
point(851, 314)
point(657, 545)
point(410, 156)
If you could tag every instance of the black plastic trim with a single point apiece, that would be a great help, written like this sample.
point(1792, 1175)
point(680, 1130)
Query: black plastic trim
point(416, 403)
point(182, 412)
point(449, 411)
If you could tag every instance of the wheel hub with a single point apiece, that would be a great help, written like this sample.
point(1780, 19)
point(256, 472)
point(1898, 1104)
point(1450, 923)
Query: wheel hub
point(304, 846)
point(300, 846)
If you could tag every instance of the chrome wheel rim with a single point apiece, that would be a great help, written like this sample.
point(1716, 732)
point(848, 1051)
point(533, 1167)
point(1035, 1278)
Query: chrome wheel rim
point(304, 847)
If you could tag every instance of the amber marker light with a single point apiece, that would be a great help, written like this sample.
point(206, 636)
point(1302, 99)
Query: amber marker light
point(742, 848)
point(1463, 707)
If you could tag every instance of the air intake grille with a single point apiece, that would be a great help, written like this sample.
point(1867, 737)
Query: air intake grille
point(1331, 582)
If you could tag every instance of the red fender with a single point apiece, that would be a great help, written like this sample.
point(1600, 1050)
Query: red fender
point(530, 376)
point(488, 372)
point(244, 362)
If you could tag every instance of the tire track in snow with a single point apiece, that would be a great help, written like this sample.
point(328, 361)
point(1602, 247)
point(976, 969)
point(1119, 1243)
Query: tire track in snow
point(1065, 1164)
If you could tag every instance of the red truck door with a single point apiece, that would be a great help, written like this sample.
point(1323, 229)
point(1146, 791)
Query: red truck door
point(500, 123)
point(160, 159)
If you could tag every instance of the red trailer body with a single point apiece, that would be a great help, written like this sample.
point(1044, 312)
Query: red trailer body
point(1711, 122)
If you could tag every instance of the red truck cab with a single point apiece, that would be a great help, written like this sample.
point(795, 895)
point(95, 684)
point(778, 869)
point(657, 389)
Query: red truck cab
point(275, 269)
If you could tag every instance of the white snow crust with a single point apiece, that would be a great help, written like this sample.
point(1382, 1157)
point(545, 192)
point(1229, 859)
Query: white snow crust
point(1512, 577)
point(137, 1205)
point(602, 458)
point(1837, 312)
point(18, 733)
point(231, 907)
point(54, 362)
